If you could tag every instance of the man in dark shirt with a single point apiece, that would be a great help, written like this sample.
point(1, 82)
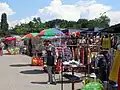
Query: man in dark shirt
point(50, 64)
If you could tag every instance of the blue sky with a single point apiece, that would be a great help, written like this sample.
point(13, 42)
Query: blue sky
point(28, 8)
point(24, 8)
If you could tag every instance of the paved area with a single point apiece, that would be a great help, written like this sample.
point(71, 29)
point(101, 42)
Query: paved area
point(17, 74)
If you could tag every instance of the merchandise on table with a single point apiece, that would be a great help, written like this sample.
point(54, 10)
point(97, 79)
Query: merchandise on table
point(13, 51)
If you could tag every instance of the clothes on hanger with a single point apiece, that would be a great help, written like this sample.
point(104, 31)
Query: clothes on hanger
point(106, 43)
point(102, 64)
point(82, 55)
point(115, 68)
point(119, 79)
point(86, 56)
point(64, 52)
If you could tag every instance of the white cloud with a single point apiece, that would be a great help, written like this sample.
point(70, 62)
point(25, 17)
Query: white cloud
point(88, 9)
point(4, 8)
point(13, 23)
point(18, 22)
point(114, 17)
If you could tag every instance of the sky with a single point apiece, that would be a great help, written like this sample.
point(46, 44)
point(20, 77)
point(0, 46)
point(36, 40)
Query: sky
point(22, 11)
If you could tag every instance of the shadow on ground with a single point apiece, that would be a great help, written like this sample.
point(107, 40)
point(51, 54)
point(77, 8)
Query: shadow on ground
point(39, 82)
point(42, 83)
point(32, 72)
point(20, 65)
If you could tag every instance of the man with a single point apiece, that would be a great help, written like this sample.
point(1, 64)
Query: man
point(50, 64)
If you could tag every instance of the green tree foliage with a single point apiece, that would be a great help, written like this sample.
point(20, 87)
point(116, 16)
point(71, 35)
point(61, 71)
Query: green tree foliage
point(36, 25)
point(33, 26)
point(82, 23)
point(4, 25)
point(101, 22)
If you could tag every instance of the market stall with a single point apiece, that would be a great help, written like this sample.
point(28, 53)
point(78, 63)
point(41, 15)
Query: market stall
point(11, 43)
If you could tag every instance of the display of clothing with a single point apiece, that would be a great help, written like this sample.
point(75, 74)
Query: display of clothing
point(64, 52)
point(91, 55)
point(119, 79)
point(67, 54)
point(73, 52)
point(59, 51)
point(86, 56)
point(82, 55)
point(106, 43)
point(115, 68)
point(76, 54)
point(112, 54)
point(102, 64)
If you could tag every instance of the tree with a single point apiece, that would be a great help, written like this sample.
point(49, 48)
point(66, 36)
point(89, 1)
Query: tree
point(36, 25)
point(19, 31)
point(101, 22)
point(4, 25)
point(83, 23)
point(31, 26)
point(104, 21)
point(92, 24)
point(39, 20)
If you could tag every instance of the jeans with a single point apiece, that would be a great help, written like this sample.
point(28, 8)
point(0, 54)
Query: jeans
point(50, 78)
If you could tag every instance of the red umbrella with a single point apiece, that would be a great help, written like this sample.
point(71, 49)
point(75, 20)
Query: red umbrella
point(30, 35)
point(10, 39)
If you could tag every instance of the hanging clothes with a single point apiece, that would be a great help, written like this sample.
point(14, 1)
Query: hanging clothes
point(67, 54)
point(114, 41)
point(112, 54)
point(102, 64)
point(92, 55)
point(119, 79)
point(58, 51)
point(82, 55)
point(86, 56)
point(115, 68)
point(106, 43)
point(76, 53)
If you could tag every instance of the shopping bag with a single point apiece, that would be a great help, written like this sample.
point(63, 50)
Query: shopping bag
point(34, 61)
point(58, 66)
point(40, 62)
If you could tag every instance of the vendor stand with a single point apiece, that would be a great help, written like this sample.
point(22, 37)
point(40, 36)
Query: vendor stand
point(11, 43)
point(34, 48)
